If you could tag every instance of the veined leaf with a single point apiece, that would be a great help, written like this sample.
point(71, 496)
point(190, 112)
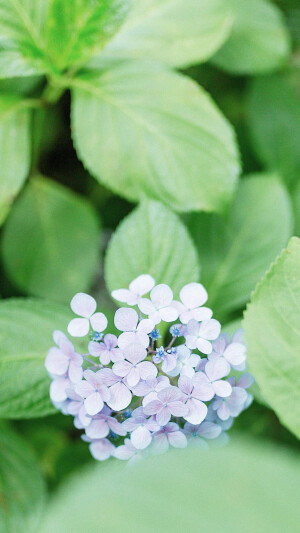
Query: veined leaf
point(51, 242)
point(272, 333)
point(236, 250)
point(22, 488)
point(176, 32)
point(151, 240)
point(259, 41)
point(78, 29)
point(14, 150)
point(175, 147)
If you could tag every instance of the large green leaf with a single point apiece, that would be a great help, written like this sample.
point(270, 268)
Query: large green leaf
point(272, 334)
point(22, 489)
point(14, 150)
point(26, 328)
point(22, 28)
point(273, 116)
point(259, 41)
point(51, 241)
point(151, 240)
point(296, 202)
point(13, 64)
point(236, 250)
point(143, 130)
point(245, 486)
point(177, 32)
point(77, 29)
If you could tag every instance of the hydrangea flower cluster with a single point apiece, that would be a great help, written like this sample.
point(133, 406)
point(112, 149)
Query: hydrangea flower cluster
point(134, 393)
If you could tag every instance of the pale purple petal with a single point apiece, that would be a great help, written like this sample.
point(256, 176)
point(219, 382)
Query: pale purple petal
point(83, 305)
point(245, 381)
point(126, 338)
point(203, 389)
point(169, 363)
point(223, 411)
point(146, 325)
point(141, 438)
point(126, 319)
point(160, 442)
point(217, 369)
point(235, 353)
point(58, 389)
point(169, 394)
point(75, 372)
point(102, 449)
point(97, 429)
point(146, 306)
point(98, 322)
point(177, 439)
point(56, 362)
point(163, 416)
point(122, 295)
point(147, 370)
point(153, 407)
point(135, 353)
point(79, 327)
point(185, 384)
point(93, 403)
point(222, 388)
point(142, 338)
point(177, 409)
point(197, 411)
point(210, 329)
point(209, 430)
point(116, 427)
point(204, 346)
point(84, 388)
point(106, 376)
point(126, 451)
point(121, 368)
point(133, 377)
point(193, 328)
point(120, 397)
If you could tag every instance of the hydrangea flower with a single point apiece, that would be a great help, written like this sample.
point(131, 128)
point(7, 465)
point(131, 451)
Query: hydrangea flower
point(159, 307)
point(132, 397)
point(107, 350)
point(193, 296)
point(85, 306)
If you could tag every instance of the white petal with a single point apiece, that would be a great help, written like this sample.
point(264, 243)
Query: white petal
point(209, 430)
point(120, 397)
point(235, 353)
point(146, 306)
point(133, 377)
point(79, 327)
point(142, 284)
point(210, 329)
point(141, 438)
point(83, 304)
point(146, 325)
point(58, 389)
point(75, 372)
point(217, 368)
point(147, 370)
point(135, 353)
point(56, 362)
point(126, 338)
point(168, 314)
point(122, 295)
point(204, 346)
point(177, 439)
point(197, 411)
point(93, 404)
point(161, 296)
point(126, 319)
point(222, 388)
point(193, 295)
point(142, 338)
point(98, 322)
point(191, 341)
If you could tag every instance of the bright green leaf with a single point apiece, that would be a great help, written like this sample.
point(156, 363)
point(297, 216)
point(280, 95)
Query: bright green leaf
point(273, 115)
point(14, 150)
point(176, 32)
point(26, 328)
point(78, 29)
point(244, 486)
point(296, 203)
point(259, 41)
point(22, 489)
point(13, 64)
point(151, 240)
point(174, 146)
point(236, 250)
point(51, 241)
point(22, 29)
point(272, 334)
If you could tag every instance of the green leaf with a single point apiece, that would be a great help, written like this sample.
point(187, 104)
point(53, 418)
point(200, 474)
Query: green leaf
point(272, 334)
point(236, 250)
point(22, 488)
point(77, 30)
point(296, 203)
point(26, 328)
point(13, 64)
point(176, 32)
point(22, 29)
point(273, 118)
point(151, 240)
point(51, 242)
point(14, 150)
point(175, 147)
point(251, 484)
point(259, 41)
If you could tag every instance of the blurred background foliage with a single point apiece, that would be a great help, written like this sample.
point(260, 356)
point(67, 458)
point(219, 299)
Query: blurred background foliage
point(55, 234)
